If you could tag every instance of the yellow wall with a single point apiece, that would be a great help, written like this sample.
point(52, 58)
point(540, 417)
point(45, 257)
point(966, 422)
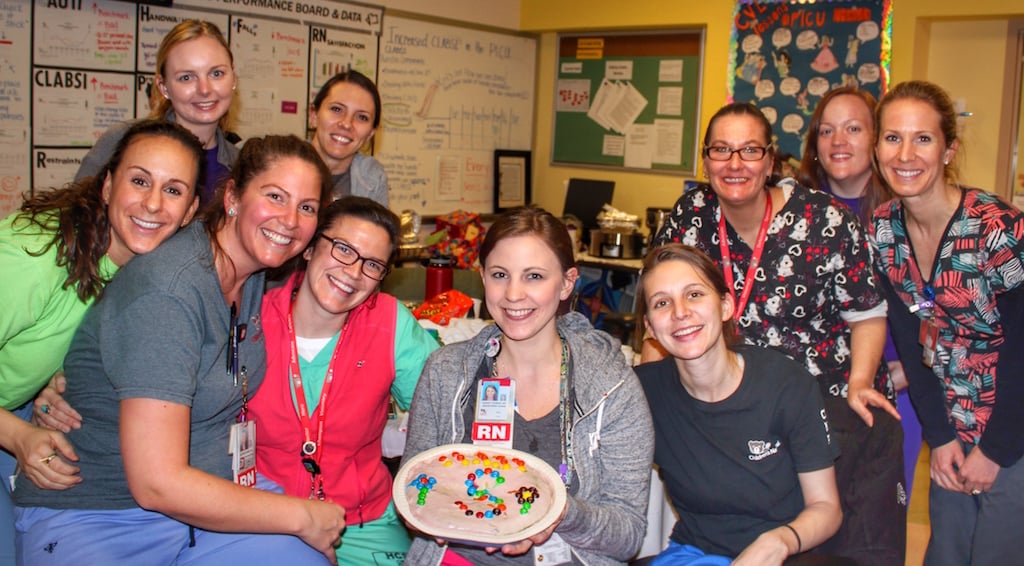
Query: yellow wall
point(912, 41)
point(956, 61)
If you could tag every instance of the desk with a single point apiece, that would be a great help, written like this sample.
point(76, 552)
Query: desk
point(629, 265)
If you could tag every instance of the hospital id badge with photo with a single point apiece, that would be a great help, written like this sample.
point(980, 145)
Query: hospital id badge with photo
point(242, 447)
point(553, 551)
point(495, 412)
point(929, 340)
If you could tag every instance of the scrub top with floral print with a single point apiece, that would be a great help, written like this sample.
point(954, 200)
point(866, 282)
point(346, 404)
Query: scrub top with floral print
point(979, 258)
point(816, 264)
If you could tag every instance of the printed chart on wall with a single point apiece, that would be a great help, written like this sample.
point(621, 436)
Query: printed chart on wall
point(451, 97)
point(786, 55)
point(83, 81)
point(73, 68)
point(15, 105)
point(629, 100)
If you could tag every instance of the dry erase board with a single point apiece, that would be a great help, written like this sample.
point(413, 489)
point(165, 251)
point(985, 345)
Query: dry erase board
point(452, 95)
point(629, 100)
point(73, 68)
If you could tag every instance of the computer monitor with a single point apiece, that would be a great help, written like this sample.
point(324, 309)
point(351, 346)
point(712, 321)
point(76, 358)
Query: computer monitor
point(584, 200)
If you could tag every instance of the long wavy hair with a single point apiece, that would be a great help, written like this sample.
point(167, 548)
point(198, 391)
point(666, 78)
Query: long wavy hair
point(78, 216)
point(813, 174)
point(187, 30)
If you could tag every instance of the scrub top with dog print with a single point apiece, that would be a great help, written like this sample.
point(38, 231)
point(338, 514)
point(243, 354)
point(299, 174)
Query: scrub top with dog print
point(980, 257)
point(816, 264)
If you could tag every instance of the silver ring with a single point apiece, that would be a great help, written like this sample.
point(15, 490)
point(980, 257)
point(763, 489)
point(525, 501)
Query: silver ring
point(45, 409)
point(975, 492)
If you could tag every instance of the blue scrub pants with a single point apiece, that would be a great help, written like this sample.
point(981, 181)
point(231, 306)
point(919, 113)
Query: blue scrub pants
point(51, 537)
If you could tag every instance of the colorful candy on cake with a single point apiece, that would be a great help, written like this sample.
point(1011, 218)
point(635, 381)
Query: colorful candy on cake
point(478, 494)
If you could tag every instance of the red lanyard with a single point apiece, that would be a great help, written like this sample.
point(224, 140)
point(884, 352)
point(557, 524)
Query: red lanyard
point(755, 260)
point(310, 448)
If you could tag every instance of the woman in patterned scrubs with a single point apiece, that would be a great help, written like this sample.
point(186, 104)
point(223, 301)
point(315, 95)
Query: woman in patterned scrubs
point(951, 262)
point(800, 267)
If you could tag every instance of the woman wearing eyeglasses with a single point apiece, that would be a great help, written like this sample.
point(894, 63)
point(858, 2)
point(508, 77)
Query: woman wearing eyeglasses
point(799, 265)
point(336, 349)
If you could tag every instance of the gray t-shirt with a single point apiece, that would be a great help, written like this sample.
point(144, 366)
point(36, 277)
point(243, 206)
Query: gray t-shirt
point(159, 332)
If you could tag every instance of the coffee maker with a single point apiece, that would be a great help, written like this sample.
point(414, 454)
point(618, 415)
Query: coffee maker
point(654, 220)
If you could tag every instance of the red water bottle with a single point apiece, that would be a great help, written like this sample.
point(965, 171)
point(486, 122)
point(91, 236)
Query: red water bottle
point(439, 276)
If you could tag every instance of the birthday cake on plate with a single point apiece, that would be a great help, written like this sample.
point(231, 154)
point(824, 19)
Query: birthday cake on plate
point(477, 494)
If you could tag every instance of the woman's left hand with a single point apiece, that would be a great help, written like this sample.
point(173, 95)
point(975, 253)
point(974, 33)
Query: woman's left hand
point(978, 472)
point(52, 411)
point(39, 453)
point(860, 398)
point(524, 546)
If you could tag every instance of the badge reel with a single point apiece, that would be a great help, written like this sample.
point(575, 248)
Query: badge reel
point(928, 335)
point(316, 490)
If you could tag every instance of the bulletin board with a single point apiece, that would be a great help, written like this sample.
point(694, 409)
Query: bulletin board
point(787, 54)
point(73, 68)
point(629, 100)
point(452, 95)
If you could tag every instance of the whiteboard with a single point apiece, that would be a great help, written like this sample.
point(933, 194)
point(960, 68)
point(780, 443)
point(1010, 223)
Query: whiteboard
point(15, 107)
point(451, 96)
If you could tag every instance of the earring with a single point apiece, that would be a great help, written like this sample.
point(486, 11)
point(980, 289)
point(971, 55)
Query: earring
point(946, 162)
point(232, 212)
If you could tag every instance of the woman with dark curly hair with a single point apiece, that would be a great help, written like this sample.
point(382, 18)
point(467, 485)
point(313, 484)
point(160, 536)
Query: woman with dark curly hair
point(56, 255)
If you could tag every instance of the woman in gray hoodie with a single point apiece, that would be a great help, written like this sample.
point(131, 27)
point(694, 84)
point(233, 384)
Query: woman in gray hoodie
point(578, 404)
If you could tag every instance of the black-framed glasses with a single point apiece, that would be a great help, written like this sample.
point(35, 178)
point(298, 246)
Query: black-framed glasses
point(724, 153)
point(345, 255)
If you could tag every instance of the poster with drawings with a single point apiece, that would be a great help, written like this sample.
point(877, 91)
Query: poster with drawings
point(98, 34)
point(270, 61)
point(787, 54)
point(154, 23)
point(15, 103)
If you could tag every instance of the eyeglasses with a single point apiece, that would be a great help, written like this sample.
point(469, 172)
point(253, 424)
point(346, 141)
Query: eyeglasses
point(723, 153)
point(345, 255)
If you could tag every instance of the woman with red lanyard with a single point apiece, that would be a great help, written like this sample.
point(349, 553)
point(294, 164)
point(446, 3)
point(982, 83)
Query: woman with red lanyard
point(800, 266)
point(337, 348)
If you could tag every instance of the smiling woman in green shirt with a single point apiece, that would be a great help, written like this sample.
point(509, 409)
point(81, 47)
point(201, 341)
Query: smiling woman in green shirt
point(56, 255)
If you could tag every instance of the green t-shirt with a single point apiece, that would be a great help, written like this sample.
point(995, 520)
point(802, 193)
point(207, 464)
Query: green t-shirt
point(39, 316)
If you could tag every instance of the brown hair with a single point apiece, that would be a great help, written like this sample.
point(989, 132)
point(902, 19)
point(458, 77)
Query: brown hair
point(257, 156)
point(704, 266)
point(746, 109)
point(356, 78)
point(813, 174)
point(531, 221)
point(78, 215)
point(933, 95)
point(187, 30)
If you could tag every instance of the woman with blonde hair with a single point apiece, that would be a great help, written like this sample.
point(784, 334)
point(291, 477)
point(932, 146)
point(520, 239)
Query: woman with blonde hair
point(194, 85)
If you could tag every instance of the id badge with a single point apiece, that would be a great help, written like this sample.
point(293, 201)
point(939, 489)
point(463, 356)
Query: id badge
point(554, 551)
point(242, 448)
point(495, 412)
point(929, 340)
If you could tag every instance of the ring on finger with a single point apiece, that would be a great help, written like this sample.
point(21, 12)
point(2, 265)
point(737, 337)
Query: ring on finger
point(975, 492)
point(47, 459)
point(45, 409)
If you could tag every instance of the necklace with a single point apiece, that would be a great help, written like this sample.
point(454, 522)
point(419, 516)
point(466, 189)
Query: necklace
point(564, 411)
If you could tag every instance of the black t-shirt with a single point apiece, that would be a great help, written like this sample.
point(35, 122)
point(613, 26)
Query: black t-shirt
point(731, 467)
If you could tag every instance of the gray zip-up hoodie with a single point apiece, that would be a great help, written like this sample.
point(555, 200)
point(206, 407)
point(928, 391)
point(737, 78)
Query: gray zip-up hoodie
point(613, 439)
